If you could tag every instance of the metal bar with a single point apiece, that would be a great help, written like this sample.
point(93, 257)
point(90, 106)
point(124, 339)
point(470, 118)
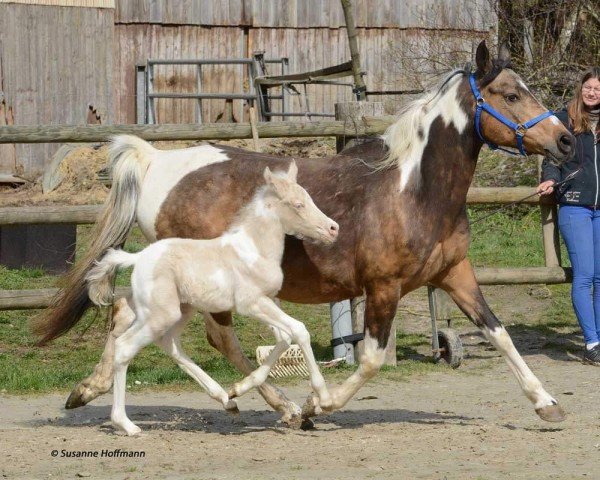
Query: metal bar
point(296, 114)
point(199, 87)
point(218, 96)
point(151, 114)
point(223, 61)
point(140, 94)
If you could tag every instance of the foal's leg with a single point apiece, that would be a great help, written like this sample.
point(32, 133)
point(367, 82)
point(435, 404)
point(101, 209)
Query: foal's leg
point(220, 334)
point(171, 344)
point(101, 379)
point(460, 283)
point(126, 347)
point(381, 304)
point(259, 376)
point(267, 311)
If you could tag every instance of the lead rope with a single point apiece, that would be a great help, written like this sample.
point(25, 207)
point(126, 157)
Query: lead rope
point(516, 202)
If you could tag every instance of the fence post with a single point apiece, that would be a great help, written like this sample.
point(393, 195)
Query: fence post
point(550, 236)
point(352, 113)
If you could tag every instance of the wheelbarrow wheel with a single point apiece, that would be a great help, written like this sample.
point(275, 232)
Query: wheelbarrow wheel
point(451, 349)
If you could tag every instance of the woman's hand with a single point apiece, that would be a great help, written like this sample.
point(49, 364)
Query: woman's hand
point(545, 188)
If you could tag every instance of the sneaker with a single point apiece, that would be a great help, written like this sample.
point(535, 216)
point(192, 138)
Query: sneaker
point(592, 357)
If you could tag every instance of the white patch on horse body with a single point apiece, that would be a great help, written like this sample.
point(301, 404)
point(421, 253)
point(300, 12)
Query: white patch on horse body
point(166, 169)
point(408, 137)
point(242, 244)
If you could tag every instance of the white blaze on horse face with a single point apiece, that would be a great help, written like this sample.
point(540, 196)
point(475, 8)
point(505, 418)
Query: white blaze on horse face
point(166, 169)
point(242, 244)
point(554, 119)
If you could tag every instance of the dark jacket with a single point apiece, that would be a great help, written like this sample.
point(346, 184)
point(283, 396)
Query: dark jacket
point(584, 188)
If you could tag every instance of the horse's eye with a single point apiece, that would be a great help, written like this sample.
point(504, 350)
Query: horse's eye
point(511, 98)
point(298, 205)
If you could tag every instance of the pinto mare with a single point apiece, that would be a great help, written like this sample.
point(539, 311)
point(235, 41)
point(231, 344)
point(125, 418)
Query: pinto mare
point(400, 201)
point(240, 270)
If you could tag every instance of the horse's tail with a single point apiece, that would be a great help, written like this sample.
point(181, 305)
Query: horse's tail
point(100, 277)
point(129, 158)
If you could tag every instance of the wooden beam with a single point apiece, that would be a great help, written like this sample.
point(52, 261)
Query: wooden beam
point(359, 83)
point(40, 298)
point(209, 131)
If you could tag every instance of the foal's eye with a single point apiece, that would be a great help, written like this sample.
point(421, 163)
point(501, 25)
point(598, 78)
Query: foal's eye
point(511, 98)
point(298, 205)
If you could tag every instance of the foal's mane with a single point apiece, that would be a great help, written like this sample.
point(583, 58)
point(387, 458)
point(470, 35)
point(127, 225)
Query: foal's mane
point(402, 137)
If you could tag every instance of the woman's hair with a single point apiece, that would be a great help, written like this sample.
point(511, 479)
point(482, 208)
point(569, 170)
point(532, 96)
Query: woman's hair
point(577, 115)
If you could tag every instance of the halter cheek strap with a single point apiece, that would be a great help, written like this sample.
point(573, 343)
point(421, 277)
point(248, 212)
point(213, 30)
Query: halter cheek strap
point(520, 129)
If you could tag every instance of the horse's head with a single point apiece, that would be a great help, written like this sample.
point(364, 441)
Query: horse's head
point(298, 213)
point(502, 89)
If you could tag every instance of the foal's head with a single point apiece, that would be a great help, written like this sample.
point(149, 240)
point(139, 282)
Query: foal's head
point(506, 93)
point(295, 208)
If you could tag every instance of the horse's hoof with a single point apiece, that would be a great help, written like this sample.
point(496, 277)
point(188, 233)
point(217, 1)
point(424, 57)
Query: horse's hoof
point(551, 413)
point(232, 408)
point(80, 396)
point(292, 416)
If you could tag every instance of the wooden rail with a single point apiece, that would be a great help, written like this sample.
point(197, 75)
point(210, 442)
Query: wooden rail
point(82, 214)
point(214, 131)
point(41, 297)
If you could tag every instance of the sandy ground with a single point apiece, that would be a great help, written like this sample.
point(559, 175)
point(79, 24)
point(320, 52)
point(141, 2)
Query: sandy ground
point(470, 423)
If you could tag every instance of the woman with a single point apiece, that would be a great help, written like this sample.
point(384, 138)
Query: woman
point(579, 211)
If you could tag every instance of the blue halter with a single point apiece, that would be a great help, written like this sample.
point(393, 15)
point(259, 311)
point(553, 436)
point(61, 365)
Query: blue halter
point(519, 128)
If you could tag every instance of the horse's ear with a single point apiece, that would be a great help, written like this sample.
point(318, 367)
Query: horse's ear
point(293, 171)
point(268, 176)
point(482, 58)
point(504, 53)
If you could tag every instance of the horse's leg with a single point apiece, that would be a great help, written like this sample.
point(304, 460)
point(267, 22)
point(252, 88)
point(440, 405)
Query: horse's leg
point(101, 379)
point(381, 304)
point(220, 334)
point(259, 376)
point(268, 312)
point(460, 283)
point(170, 342)
point(126, 347)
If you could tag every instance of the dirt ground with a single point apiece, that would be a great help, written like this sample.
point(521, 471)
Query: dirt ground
point(469, 423)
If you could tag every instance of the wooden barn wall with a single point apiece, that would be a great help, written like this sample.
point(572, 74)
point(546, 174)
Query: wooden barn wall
point(55, 61)
point(135, 44)
point(307, 49)
point(454, 14)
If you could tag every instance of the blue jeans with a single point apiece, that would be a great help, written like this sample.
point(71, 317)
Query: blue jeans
point(580, 229)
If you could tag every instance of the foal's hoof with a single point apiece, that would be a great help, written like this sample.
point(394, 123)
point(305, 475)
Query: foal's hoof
point(551, 413)
point(80, 396)
point(292, 415)
point(307, 424)
point(232, 408)
point(311, 407)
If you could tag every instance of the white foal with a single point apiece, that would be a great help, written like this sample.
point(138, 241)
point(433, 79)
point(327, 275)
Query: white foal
point(241, 271)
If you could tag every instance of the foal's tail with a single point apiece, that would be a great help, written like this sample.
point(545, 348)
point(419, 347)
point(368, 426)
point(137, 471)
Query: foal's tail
point(99, 278)
point(129, 158)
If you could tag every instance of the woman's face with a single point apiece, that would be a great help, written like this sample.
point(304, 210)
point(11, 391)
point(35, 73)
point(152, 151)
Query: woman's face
point(590, 92)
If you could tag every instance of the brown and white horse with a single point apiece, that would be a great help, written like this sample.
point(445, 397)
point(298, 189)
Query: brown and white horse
point(400, 203)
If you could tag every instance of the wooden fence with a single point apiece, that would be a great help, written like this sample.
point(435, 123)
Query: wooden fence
point(551, 273)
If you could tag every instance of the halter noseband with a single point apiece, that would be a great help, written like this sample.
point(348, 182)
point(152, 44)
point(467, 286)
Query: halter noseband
point(519, 128)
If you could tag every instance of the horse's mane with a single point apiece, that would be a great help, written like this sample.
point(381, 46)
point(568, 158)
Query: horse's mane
point(406, 134)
